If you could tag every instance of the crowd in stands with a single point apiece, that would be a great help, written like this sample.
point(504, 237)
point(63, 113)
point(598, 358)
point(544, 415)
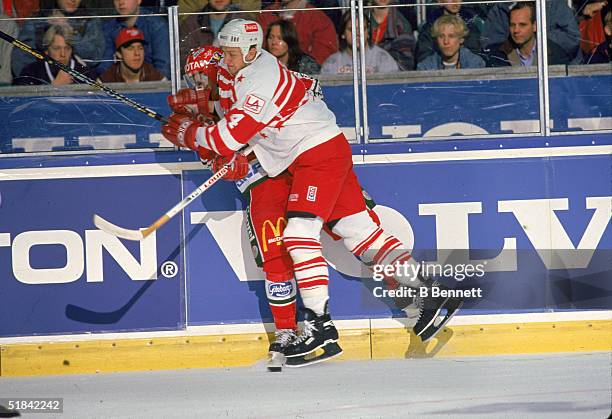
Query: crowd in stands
point(130, 42)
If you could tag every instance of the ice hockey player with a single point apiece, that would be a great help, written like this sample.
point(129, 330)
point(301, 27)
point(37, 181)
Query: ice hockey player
point(295, 138)
point(198, 100)
point(264, 221)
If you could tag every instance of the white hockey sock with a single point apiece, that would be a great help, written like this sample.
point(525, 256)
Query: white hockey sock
point(315, 299)
point(373, 246)
point(301, 237)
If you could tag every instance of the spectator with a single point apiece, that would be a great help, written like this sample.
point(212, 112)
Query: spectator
point(9, 27)
point(57, 44)
point(282, 42)
point(100, 7)
point(316, 33)
point(426, 45)
point(202, 29)
point(409, 12)
point(192, 6)
point(450, 31)
point(521, 47)
point(131, 68)
point(603, 52)
point(563, 33)
point(154, 28)
point(333, 9)
point(377, 60)
point(590, 15)
point(391, 31)
point(19, 9)
point(85, 34)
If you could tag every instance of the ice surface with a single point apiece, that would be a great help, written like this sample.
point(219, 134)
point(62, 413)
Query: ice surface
point(534, 386)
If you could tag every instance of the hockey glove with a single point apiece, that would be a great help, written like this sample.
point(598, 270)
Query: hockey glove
point(239, 167)
point(190, 102)
point(181, 131)
point(206, 157)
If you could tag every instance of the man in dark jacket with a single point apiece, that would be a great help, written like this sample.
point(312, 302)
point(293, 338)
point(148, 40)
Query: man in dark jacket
point(562, 29)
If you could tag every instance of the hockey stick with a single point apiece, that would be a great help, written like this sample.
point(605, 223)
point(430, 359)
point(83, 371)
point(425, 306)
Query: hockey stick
point(142, 233)
point(82, 77)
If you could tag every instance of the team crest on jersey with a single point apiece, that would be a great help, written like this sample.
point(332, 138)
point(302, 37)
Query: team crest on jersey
point(250, 27)
point(254, 104)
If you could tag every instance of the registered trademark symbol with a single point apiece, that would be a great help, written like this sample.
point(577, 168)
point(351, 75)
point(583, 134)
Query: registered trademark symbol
point(169, 269)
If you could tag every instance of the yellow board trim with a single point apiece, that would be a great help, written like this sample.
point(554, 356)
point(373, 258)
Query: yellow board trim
point(215, 351)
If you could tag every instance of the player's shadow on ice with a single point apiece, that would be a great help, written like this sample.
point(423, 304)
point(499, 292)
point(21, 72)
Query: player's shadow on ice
point(429, 349)
point(416, 348)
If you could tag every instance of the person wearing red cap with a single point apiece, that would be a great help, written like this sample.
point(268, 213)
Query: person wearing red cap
point(131, 14)
point(131, 67)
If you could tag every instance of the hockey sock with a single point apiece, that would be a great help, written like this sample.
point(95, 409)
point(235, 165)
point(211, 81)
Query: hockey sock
point(373, 246)
point(281, 291)
point(302, 240)
point(315, 298)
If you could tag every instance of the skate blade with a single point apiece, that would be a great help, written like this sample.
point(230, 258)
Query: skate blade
point(324, 344)
point(276, 361)
point(433, 331)
point(330, 351)
point(433, 319)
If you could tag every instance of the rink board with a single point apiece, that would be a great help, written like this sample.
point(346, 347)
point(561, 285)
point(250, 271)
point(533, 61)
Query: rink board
point(244, 345)
point(487, 201)
point(52, 257)
point(436, 109)
point(481, 204)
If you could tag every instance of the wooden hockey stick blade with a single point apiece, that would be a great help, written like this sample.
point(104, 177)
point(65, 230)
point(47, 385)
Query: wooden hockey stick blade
point(117, 231)
point(140, 234)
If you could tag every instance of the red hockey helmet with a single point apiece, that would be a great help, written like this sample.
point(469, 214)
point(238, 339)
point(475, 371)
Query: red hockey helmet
point(201, 65)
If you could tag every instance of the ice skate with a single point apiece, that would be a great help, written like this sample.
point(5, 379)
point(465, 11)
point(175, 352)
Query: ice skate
point(410, 307)
point(319, 333)
point(429, 322)
point(276, 352)
point(329, 351)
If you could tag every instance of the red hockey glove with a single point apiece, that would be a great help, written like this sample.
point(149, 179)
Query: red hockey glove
point(238, 169)
point(181, 131)
point(190, 102)
point(206, 157)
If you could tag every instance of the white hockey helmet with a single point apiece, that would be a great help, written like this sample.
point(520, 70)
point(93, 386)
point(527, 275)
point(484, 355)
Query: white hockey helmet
point(243, 34)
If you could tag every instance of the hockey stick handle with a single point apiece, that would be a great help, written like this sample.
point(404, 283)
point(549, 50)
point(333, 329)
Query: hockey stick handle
point(82, 77)
point(193, 195)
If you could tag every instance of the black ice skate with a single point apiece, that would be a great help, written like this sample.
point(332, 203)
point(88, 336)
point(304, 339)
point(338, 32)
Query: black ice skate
point(429, 322)
point(409, 305)
point(319, 334)
point(276, 352)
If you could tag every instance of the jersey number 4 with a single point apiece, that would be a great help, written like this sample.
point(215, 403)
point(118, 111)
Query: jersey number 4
point(234, 120)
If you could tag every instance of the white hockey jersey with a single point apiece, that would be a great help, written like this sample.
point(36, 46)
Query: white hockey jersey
point(267, 105)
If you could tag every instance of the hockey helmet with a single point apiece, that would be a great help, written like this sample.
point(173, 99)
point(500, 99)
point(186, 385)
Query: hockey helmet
point(243, 34)
point(201, 65)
